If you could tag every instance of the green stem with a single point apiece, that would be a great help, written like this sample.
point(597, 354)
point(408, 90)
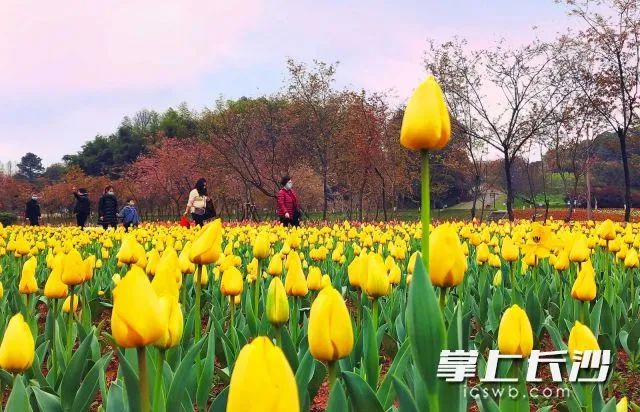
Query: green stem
point(376, 310)
point(232, 309)
point(70, 324)
point(584, 313)
point(256, 289)
point(443, 299)
point(278, 335)
point(425, 210)
point(158, 388)
point(512, 275)
point(54, 304)
point(333, 373)
point(197, 320)
point(143, 380)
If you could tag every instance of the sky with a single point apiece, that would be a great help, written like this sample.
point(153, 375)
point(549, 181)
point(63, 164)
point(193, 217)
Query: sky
point(71, 70)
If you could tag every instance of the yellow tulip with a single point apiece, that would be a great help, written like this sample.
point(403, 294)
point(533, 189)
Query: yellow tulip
point(356, 270)
point(579, 250)
point(330, 332)
point(128, 250)
point(232, 283)
point(207, 246)
point(152, 262)
point(377, 283)
point(73, 268)
point(562, 261)
point(581, 339)
point(28, 284)
point(275, 265)
point(482, 253)
point(607, 230)
point(296, 284)
point(395, 275)
point(509, 250)
point(66, 306)
point(497, 279)
point(277, 303)
point(515, 336)
point(17, 350)
point(314, 278)
point(447, 261)
point(412, 262)
point(173, 321)
point(168, 275)
point(426, 124)
point(326, 281)
point(55, 288)
point(631, 260)
point(261, 245)
point(584, 288)
point(262, 380)
point(622, 405)
point(136, 317)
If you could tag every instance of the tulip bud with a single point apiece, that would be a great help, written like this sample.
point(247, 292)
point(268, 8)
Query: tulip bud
point(482, 253)
point(314, 279)
point(447, 261)
point(607, 230)
point(73, 268)
point(631, 260)
point(262, 379)
point(207, 246)
point(562, 261)
point(28, 284)
point(330, 332)
point(497, 279)
point(515, 336)
point(66, 306)
point(261, 245)
point(277, 303)
point(585, 288)
point(426, 124)
point(275, 265)
point(17, 350)
point(394, 275)
point(326, 282)
point(136, 317)
point(152, 262)
point(232, 283)
point(509, 250)
point(173, 322)
point(623, 405)
point(377, 283)
point(581, 339)
point(579, 250)
point(296, 284)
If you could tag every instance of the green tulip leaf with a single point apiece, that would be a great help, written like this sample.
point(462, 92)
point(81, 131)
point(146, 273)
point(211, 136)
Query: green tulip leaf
point(337, 399)
point(18, 399)
point(362, 397)
point(74, 373)
point(405, 400)
point(46, 401)
point(303, 377)
point(178, 387)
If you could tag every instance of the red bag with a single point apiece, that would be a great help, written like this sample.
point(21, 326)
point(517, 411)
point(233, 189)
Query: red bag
point(184, 222)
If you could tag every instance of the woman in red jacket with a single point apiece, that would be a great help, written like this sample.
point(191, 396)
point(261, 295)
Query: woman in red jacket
point(288, 211)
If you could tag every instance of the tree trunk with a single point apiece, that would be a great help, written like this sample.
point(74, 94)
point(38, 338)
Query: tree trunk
point(475, 197)
point(325, 191)
point(627, 180)
point(384, 193)
point(507, 174)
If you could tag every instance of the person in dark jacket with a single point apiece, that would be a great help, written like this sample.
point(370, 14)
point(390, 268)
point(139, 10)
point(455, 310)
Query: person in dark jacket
point(32, 211)
point(82, 208)
point(108, 208)
point(288, 210)
point(129, 215)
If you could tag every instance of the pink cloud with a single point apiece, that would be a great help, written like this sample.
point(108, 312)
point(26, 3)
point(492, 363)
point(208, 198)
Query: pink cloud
point(53, 47)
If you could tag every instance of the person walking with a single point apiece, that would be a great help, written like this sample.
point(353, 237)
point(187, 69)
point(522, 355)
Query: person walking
point(199, 204)
point(129, 215)
point(32, 211)
point(288, 210)
point(108, 208)
point(82, 208)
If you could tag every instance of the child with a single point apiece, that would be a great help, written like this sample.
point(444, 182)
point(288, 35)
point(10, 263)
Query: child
point(129, 215)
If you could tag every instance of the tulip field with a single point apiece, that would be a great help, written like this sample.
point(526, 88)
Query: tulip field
point(247, 317)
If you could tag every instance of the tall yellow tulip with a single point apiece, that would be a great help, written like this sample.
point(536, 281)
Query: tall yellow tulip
point(262, 380)
point(515, 336)
point(584, 288)
point(426, 124)
point(581, 339)
point(231, 284)
point(261, 245)
point(28, 284)
point(18, 347)
point(73, 268)
point(330, 332)
point(207, 246)
point(277, 303)
point(136, 317)
point(447, 261)
point(173, 322)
